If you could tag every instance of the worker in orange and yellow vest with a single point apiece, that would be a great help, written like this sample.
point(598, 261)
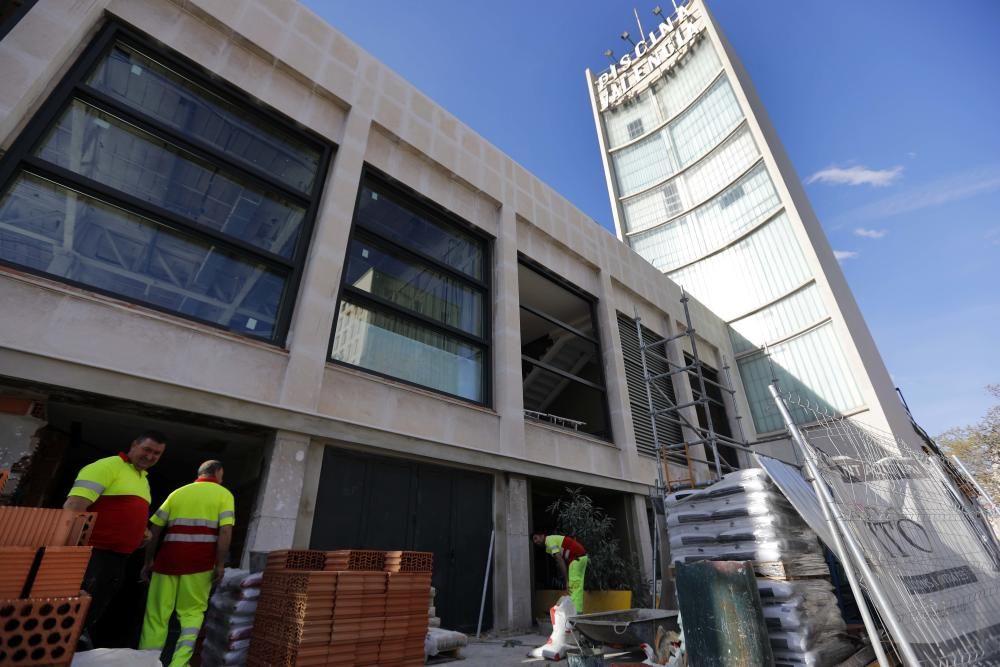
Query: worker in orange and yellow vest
point(571, 560)
point(199, 519)
point(116, 489)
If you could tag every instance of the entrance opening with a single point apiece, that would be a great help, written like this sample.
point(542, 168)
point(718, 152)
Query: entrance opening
point(71, 429)
point(543, 494)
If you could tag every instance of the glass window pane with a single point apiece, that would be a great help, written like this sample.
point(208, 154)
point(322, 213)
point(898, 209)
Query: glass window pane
point(696, 71)
point(555, 395)
point(142, 83)
point(75, 237)
point(97, 145)
point(387, 218)
point(812, 366)
point(403, 349)
point(626, 122)
point(557, 347)
point(640, 165)
point(711, 226)
point(750, 274)
point(704, 125)
point(415, 287)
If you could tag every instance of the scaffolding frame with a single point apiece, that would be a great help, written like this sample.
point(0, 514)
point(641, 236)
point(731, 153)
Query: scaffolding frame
point(674, 413)
point(680, 453)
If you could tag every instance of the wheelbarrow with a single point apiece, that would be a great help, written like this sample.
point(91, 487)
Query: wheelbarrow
point(626, 628)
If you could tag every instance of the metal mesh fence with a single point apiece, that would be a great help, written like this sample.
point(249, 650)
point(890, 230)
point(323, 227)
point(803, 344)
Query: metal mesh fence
point(933, 560)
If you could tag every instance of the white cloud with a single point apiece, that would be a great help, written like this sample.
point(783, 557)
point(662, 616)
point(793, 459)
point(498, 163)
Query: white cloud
point(856, 175)
point(844, 255)
point(870, 233)
point(911, 154)
point(964, 185)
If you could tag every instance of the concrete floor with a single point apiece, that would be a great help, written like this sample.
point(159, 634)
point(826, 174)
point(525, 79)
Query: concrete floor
point(507, 652)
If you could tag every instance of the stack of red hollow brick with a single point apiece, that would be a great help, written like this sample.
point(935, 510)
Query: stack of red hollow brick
point(42, 563)
point(347, 608)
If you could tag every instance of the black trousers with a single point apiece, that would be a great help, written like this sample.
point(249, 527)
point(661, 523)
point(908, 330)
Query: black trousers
point(104, 576)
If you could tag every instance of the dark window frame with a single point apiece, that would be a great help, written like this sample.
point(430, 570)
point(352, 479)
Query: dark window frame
point(20, 158)
point(591, 300)
point(639, 129)
point(379, 181)
point(8, 24)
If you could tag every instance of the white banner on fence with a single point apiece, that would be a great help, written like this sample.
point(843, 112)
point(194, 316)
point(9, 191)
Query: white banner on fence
point(929, 558)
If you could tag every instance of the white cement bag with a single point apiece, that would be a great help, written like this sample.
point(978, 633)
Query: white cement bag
point(438, 640)
point(232, 577)
point(116, 657)
point(561, 637)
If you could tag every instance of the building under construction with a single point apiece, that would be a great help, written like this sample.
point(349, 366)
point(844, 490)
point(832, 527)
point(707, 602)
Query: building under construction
point(227, 222)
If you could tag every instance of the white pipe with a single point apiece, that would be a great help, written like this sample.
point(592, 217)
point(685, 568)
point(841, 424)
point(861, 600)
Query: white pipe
point(486, 581)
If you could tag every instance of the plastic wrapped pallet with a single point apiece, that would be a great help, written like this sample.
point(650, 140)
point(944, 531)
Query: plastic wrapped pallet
point(745, 517)
point(229, 620)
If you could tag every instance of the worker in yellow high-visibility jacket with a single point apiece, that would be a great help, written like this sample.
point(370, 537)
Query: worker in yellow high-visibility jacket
point(571, 560)
point(198, 519)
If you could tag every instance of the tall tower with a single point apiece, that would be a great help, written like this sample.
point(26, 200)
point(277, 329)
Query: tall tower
point(701, 187)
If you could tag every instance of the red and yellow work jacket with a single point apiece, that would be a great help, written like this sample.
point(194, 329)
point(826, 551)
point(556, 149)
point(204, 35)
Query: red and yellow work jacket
point(192, 515)
point(119, 493)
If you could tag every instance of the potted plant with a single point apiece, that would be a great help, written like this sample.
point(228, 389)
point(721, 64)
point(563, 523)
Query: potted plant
point(613, 581)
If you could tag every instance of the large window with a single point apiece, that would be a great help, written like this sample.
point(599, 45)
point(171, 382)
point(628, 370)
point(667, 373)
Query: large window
point(563, 375)
point(142, 179)
point(415, 296)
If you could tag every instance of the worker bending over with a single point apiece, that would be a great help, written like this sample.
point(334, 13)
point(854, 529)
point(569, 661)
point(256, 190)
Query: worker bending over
point(571, 560)
point(199, 520)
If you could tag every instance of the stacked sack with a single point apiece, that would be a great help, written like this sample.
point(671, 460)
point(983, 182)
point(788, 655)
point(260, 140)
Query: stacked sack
point(229, 620)
point(744, 517)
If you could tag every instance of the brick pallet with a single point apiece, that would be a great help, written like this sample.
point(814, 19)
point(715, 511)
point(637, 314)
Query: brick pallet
point(41, 569)
point(342, 608)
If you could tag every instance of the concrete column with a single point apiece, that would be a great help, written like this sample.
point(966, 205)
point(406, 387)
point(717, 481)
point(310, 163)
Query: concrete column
point(641, 538)
point(272, 524)
point(508, 398)
point(512, 588)
point(312, 322)
point(307, 500)
point(614, 377)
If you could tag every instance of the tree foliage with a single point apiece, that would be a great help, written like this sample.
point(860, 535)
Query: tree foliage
point(978, 446)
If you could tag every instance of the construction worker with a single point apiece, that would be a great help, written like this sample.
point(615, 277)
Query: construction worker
point(117, 489)
point(571, 560)
point(199, 520)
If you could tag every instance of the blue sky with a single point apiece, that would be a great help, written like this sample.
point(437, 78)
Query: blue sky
point(889, 110)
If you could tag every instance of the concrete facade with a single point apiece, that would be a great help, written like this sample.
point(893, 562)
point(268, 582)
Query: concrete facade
point(281, 54)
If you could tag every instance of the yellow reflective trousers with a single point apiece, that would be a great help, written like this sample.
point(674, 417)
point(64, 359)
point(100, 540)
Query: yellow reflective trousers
point(575, 575)
point(188, 595)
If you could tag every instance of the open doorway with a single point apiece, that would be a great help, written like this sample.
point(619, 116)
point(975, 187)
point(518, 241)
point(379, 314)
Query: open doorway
point(75, 429)
point(544, 493)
